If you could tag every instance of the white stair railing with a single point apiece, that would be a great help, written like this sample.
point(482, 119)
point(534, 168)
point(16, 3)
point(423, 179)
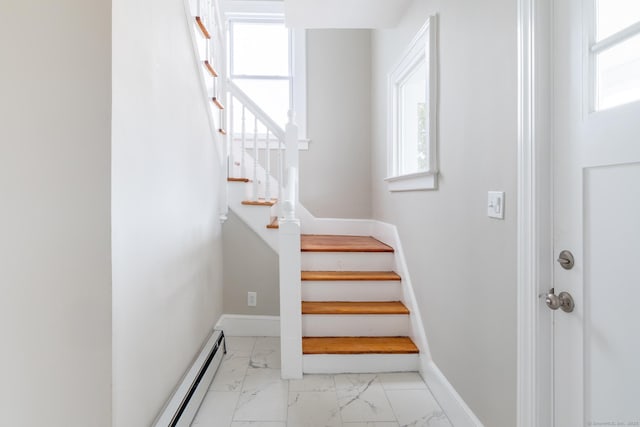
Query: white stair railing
point(287, 194)
point(259, 143)
point(270, 167)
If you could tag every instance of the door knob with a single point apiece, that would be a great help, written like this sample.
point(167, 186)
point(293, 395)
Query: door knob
point(563, 301)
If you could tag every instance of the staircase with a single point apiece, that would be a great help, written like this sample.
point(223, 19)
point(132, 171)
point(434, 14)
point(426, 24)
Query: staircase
point(352, 317)
point(343, 304)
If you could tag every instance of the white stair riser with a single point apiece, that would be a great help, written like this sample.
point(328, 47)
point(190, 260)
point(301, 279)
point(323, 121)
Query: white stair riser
point(358, 363)
point(355, 325)
point(348, 261)
point(351, 290)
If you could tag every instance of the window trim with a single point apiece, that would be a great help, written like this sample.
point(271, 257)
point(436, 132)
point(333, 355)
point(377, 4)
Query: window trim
point(273, 11)
point(423, 46)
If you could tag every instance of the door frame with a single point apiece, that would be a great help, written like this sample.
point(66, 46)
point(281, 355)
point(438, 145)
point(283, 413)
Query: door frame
point(535, 209)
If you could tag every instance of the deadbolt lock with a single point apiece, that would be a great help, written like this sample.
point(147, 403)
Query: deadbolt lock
point(566, 260)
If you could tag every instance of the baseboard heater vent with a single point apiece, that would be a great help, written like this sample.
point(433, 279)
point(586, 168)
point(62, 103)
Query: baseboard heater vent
point(184, 403)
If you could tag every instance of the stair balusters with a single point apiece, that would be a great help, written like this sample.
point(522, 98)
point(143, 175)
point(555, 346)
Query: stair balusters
point(243, 162)
point(267, 154)
point(280, 170)
point(255, 159)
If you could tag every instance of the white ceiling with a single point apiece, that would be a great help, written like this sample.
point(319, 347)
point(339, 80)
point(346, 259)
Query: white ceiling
point(344, 13)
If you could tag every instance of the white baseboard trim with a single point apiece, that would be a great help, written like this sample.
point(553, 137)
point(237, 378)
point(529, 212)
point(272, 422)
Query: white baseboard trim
point(246, 325)
point(448, 398)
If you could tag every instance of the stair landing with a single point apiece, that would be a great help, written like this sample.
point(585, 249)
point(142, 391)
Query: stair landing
point(334, 243)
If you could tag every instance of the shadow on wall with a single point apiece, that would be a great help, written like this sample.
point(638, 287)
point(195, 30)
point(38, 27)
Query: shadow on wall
point(249, 265)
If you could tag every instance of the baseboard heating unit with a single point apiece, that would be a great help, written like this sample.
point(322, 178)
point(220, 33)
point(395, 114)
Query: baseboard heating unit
point(185, 401)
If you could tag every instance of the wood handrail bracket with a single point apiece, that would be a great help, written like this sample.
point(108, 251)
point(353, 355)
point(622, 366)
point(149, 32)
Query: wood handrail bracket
point(210, 68)
point(203, 28)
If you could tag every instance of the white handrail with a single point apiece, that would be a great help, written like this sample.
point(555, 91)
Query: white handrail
point(244, 99)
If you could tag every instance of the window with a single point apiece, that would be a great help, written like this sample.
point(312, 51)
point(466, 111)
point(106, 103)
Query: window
point(267, 60)
point(412, 115)
point(259, 64)
point(615, 53)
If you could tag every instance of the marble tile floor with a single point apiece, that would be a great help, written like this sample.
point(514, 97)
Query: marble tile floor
point(247, 391)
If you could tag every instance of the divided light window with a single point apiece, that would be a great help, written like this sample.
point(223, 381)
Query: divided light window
point(260, 64)
point(615, 53)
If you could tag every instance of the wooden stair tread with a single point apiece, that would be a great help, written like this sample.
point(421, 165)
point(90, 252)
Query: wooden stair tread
point(348, 307)
point(350, 275)
point(333, 243)
point(358, 345)
point(259, 202)
point(217, 103)
point(274, 224)
point(203, 29)
point(238, 179)
point(210, 68)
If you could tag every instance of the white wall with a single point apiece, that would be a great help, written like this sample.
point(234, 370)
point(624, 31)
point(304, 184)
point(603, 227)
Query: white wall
point(334, 173)
point(55, 271)
point(167, 261)
point(250, 265)
point(462, 264)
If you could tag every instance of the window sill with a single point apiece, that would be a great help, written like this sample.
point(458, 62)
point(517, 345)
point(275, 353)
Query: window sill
point(420, 181)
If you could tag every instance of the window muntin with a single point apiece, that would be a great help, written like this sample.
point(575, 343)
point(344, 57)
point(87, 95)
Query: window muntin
point(615, 53)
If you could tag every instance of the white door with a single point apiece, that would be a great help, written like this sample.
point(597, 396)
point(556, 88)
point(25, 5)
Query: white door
point(596, 139)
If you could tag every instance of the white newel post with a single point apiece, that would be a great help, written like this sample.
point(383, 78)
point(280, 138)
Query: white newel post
point(290, 264)
point(291, 153)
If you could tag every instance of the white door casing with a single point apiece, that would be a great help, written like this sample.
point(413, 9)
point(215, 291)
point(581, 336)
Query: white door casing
point(596, 215)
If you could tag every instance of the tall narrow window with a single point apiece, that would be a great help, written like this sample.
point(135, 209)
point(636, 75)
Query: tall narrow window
point(412, 115)
point(615, 51)
point(260, 64)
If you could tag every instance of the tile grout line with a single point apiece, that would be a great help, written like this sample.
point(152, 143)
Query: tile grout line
point(244, 378)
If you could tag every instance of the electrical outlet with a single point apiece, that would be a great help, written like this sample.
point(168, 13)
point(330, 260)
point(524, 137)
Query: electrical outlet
point(252, 299)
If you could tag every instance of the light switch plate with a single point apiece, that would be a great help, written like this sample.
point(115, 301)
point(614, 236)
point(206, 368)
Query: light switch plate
point(252, 299)
point(495, 204)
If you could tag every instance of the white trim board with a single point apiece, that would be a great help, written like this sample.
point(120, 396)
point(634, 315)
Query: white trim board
point(534, 247)
point(245, 325)
point(448, 398)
